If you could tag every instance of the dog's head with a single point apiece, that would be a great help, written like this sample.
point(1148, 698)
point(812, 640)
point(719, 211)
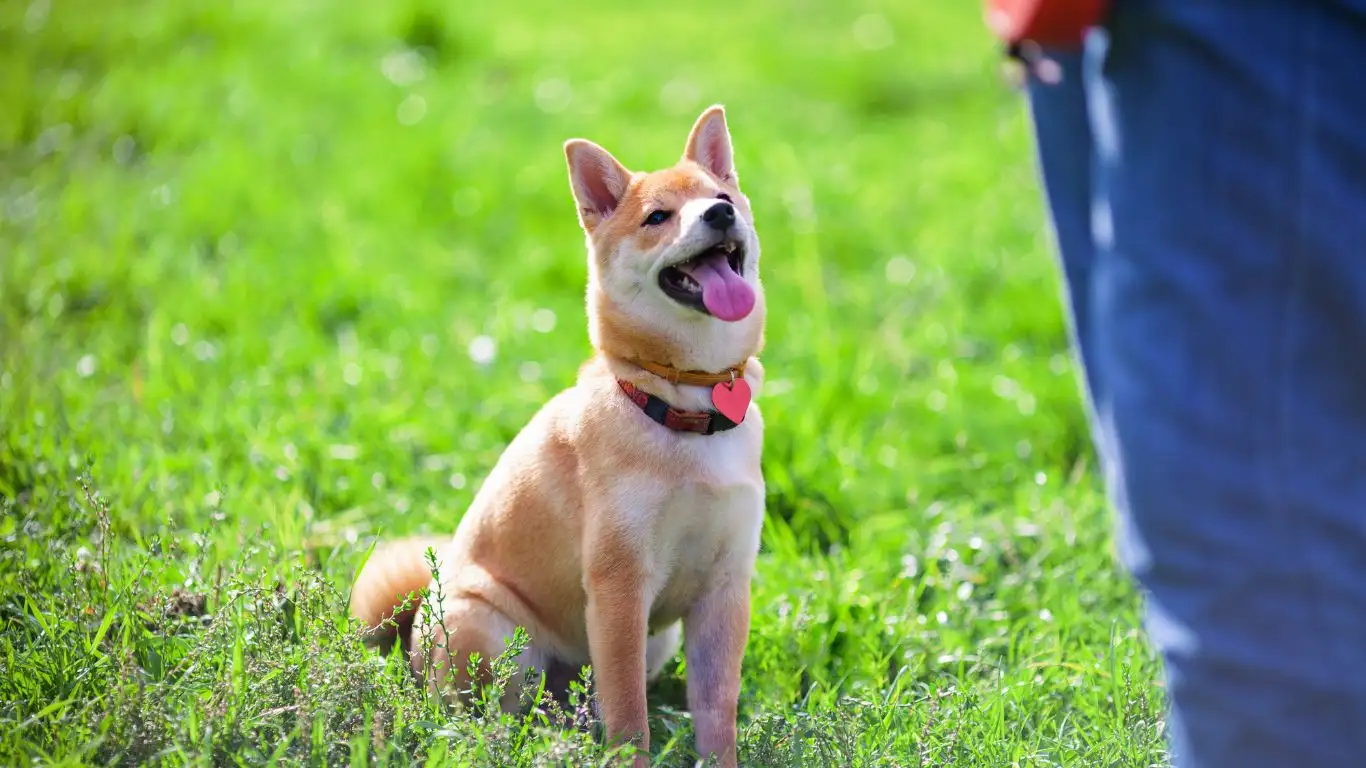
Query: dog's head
point(673, 270)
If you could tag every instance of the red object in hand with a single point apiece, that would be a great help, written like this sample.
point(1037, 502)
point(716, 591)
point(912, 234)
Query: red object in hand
point(1050, 23)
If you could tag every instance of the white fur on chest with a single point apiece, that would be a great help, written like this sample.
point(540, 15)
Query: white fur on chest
point(706, 540)
point(706, 528)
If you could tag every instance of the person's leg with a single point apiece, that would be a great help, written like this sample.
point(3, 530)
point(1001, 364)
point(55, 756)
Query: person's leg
point(1060, 116)
point(1228, 323)
point(1062, 140)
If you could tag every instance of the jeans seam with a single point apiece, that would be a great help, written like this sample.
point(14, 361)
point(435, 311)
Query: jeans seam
point(1276, 482)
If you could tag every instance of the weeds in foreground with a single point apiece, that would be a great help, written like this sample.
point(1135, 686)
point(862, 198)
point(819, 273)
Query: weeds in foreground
point(132, 655)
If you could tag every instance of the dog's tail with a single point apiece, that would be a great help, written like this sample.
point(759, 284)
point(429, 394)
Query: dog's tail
point(386, 595)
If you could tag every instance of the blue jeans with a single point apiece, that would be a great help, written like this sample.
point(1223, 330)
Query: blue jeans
point(1205, 167)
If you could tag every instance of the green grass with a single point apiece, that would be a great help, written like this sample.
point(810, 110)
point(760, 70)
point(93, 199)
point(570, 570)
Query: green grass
point(245, 250)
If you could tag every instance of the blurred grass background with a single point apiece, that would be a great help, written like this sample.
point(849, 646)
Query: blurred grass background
point(277, 278)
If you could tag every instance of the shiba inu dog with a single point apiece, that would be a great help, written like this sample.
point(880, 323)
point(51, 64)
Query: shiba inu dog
point(626, 515)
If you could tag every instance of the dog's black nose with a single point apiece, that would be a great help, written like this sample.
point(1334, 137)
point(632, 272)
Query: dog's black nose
point(720, 216)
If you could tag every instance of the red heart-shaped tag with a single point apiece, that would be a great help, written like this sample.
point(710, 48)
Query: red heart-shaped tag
point(732, 399)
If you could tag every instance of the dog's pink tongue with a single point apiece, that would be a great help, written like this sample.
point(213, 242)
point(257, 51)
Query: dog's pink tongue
point(724, 293)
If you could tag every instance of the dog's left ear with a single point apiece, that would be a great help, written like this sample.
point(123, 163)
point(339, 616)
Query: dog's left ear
point(709, 145)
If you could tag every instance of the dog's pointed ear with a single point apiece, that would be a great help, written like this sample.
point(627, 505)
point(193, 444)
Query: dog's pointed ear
point(597, 180)
point(709, 145)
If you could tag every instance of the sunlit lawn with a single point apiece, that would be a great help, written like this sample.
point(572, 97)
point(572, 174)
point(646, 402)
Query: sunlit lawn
point(277, 278)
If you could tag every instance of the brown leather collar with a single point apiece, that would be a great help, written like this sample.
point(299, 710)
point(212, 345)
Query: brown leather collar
point(692, 378)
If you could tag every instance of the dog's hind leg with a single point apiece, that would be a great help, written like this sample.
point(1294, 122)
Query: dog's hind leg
point(660, 649)
point(440, 653)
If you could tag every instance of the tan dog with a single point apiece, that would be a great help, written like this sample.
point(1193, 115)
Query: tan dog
point(628, 505)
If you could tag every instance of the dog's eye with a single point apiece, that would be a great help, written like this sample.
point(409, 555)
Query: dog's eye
point(724, 196)
point(656, 218)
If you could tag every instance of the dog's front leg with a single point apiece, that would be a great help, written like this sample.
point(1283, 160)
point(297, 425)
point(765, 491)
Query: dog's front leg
point(616, 641)
point(715, 632)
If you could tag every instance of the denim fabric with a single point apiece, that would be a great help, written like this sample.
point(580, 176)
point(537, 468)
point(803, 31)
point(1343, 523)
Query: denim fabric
point(1205, 168)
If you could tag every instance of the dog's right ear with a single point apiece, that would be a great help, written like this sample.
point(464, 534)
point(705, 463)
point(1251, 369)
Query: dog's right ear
point(597, 179)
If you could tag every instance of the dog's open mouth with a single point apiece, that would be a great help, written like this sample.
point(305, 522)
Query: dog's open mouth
point(712, 282)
